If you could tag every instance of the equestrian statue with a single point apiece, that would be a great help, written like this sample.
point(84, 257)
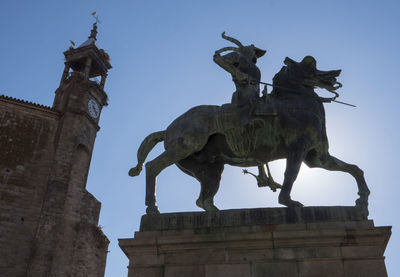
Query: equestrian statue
point(288, 123)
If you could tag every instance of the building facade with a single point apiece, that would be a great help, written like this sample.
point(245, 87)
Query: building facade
point(48, 220)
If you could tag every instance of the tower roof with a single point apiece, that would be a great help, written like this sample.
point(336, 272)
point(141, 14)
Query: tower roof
point(77, 57)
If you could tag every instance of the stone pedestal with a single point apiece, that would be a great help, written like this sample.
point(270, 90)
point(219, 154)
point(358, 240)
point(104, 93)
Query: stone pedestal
point(310, 241)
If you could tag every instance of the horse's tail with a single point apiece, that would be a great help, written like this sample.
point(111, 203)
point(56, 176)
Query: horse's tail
point(147, 144)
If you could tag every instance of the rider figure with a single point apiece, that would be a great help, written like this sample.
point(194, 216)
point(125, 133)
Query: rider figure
point(241, 64)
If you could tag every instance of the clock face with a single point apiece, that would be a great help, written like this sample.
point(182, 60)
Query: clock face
point(93, 108)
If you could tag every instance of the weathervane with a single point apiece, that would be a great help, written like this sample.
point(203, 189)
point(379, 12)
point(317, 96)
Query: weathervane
point(96, 17)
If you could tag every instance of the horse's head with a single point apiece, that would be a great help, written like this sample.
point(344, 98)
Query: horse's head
point(240, 63)
point(306, 75)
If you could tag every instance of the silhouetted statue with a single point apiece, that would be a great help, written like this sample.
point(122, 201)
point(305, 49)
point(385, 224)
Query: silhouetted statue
point(287, 124)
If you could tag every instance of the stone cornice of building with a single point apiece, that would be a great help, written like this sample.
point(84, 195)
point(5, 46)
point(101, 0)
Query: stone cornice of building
point(28, 104)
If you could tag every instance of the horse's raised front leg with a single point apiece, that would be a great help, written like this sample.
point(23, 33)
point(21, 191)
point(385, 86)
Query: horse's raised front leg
point(334, 164)
point(154, 167)
point(293, 163)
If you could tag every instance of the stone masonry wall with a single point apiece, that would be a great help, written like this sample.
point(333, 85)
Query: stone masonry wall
point(26, 153)
point(263, 242)
point(90, 241)
point(48, 221)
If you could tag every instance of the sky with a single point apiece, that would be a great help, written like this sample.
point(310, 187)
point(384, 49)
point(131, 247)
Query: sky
point(161, 53)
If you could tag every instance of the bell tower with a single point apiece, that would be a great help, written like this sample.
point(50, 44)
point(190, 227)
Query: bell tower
point(84, 65)
point(68, 230)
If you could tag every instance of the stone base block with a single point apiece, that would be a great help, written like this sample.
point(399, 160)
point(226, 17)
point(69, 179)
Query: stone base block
point(310, 241)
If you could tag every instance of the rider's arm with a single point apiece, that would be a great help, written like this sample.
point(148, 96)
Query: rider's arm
point(221, 62)
point(236, 73)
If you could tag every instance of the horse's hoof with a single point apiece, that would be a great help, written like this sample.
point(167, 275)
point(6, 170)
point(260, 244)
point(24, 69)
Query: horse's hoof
point(135, 171)
point(209, 206)
point(199, 204)
point(289, 202)
point(152, 210)
point(295, 204)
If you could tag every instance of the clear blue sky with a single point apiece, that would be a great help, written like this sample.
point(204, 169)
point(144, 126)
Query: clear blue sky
point(162, 51)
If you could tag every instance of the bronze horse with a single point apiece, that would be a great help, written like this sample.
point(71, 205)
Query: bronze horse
point(287, 124)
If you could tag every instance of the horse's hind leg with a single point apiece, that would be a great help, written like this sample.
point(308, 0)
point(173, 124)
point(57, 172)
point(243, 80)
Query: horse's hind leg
point(209, 179)
point(334, 164)
point(209, 176)
point(154, 167)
